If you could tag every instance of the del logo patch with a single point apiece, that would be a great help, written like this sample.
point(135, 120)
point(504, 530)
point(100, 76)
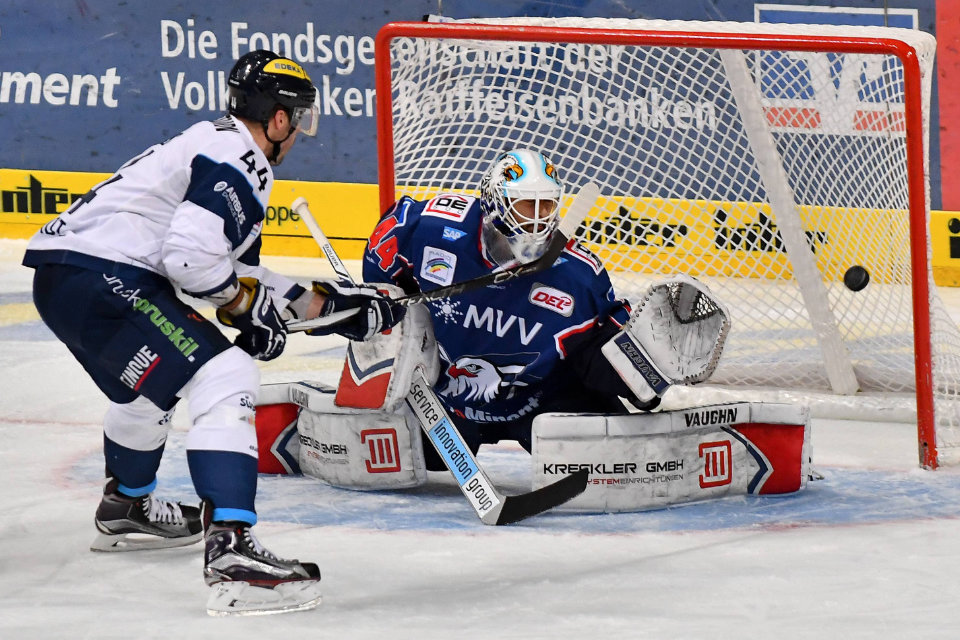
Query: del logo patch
point(449, 206)
point(438, 266)
point(553, 299)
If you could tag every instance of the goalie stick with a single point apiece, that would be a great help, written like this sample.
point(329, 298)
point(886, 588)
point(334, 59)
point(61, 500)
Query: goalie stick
point(576, 213)
point(491, 506)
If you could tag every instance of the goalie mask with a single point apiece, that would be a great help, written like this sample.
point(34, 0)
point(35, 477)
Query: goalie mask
point(520, 198)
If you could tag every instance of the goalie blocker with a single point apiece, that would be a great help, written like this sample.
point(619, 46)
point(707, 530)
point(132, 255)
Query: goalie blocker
point(643, 461)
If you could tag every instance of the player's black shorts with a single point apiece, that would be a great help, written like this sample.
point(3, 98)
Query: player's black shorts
point(128, 329)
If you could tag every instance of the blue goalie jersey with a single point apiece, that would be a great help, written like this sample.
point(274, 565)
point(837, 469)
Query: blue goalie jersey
point(502, 347)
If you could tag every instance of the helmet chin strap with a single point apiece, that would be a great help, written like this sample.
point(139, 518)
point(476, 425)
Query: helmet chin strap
point(274, 154)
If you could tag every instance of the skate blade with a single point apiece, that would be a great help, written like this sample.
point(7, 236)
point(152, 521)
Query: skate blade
point(243, 599)
point(139, 542)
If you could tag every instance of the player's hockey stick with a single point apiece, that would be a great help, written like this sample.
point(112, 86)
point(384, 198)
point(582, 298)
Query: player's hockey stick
point(582, 203)
point(491, 506)
point(302, 209)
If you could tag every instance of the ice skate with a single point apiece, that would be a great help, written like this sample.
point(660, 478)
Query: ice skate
point(247, 579)
point(132, 524)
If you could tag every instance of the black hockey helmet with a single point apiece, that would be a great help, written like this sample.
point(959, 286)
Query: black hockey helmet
point(261, 80)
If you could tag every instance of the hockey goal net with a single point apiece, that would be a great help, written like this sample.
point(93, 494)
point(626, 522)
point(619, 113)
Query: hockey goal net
point(763, 159)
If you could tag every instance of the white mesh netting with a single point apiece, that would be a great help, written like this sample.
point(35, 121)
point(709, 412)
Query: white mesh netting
point(766, 173)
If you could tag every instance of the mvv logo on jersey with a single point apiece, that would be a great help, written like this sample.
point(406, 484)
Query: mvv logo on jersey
point(438, 266)
point(553, 299)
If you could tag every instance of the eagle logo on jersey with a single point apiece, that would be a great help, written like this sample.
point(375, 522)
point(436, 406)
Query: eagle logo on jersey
point(479, 379)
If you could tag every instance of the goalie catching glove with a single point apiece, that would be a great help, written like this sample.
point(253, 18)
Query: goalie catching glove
point(263, 333)
point(376, 312)
point(674, 336)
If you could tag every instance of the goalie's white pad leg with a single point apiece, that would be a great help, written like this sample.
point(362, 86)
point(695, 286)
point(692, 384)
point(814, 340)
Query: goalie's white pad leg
point(244, 599)
point(345, 447)
point(652, 460)
point(674, 336)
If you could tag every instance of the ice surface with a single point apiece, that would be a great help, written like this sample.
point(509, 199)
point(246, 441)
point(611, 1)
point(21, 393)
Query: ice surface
point(871, 551)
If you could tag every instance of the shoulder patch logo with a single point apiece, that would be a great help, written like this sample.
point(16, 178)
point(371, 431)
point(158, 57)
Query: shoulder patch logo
point(449, 206)
point(553, 299)
point(585, 256)
point(438, 266)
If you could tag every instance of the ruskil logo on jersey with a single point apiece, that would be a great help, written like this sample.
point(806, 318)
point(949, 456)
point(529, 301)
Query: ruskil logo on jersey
point(481, 379)
point(184, 344)
point(478, 379)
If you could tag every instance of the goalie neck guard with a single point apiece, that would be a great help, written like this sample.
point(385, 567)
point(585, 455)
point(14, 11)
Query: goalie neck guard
point(520, 198)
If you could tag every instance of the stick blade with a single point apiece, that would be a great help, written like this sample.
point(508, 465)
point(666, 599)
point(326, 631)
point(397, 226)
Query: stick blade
point(516, 508)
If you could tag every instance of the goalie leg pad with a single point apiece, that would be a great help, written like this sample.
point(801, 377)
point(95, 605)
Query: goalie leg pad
point(345, 447)
point(643, 461)
point(361, 449)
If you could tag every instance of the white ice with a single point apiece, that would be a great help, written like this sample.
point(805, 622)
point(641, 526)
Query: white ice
point(871, 551)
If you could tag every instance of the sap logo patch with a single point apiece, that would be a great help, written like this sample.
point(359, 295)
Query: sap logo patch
point(438, 266)
point(449, 233)
point(553, 299)
point(449, 206)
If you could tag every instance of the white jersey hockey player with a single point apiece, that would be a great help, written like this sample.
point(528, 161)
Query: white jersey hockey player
point(186, 215)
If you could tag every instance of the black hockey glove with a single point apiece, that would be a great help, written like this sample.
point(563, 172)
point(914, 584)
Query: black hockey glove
point(377, 312)
point(263, 333)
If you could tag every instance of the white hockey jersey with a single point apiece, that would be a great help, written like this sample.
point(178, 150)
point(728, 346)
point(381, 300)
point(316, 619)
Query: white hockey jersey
point(190, 209)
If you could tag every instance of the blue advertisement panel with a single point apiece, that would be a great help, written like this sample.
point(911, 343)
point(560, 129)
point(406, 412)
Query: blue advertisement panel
point(85, 84)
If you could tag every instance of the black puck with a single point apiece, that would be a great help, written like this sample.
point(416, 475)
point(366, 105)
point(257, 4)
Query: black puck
point(856, 278)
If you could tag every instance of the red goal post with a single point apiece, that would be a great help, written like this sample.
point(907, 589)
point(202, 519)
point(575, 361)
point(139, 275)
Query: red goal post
point(757, 187)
